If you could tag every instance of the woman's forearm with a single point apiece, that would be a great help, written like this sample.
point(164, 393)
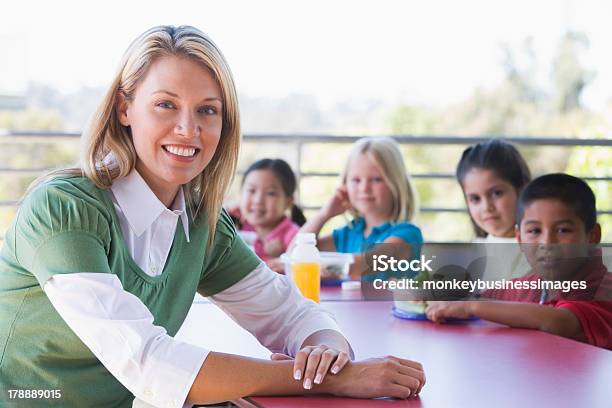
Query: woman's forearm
point(225, 377)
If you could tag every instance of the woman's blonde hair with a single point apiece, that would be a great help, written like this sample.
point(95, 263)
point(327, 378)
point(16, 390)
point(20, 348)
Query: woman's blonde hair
point(107, 149)
point(385, 154)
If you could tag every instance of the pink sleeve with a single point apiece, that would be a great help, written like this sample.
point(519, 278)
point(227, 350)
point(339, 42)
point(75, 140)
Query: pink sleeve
point(595, 319)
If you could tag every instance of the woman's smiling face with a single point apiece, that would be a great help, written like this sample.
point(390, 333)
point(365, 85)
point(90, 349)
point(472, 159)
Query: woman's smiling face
point(175, 117)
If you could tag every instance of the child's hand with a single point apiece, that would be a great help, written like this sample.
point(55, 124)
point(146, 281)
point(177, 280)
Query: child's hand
point(313, 362)
point(338, 204)
point(438, 312)
point(234, 212)
point(273, 248)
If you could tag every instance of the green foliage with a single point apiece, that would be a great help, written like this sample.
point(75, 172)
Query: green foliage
point(569, 75)
point(596, 162)
point(31, 119)
point(412, 120)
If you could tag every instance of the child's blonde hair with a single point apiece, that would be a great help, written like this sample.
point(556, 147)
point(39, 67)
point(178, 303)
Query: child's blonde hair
point(385, 154)
point(107, 149)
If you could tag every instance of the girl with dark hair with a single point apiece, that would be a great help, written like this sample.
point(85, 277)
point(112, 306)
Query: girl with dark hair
point(268, 186)
point(491, 175)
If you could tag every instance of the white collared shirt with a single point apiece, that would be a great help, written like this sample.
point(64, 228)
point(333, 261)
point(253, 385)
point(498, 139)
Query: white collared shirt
point(118, 328)
point(148, 227)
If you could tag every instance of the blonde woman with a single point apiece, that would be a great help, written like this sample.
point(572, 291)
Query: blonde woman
point(100, 266)
point(377, 191)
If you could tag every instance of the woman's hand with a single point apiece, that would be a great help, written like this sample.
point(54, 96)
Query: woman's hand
point(338, 204)
point(313, 362)
point(379, 377)
point(438, 312)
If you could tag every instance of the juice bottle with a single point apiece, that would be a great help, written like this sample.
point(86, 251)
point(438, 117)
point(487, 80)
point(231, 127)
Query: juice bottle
point(306, 266)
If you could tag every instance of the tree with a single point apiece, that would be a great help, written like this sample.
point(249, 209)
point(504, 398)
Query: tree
point(569, 76)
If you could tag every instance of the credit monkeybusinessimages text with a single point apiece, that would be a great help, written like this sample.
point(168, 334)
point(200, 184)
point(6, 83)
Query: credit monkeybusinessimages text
point(478, 285)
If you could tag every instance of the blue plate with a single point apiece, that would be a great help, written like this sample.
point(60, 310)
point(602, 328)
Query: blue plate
point(332, 282)
point(402, 314)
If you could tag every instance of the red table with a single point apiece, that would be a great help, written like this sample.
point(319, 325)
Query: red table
point(478, 364)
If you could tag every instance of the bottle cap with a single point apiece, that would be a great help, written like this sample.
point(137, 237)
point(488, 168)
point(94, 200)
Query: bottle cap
point(306, 238)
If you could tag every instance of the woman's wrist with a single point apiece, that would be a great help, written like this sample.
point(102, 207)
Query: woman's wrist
point(334, 384)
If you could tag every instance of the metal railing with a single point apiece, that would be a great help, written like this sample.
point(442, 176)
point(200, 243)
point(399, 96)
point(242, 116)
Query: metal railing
point(301, 140)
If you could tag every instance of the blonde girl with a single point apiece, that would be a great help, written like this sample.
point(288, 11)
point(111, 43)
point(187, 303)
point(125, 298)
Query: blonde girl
point(99, 268)
point(378, 193)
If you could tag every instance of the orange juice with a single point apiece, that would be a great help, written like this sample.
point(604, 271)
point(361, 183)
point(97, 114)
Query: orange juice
point(307, 277)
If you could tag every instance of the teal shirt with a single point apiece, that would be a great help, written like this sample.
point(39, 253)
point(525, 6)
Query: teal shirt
point(351, 239)
point(68, 225)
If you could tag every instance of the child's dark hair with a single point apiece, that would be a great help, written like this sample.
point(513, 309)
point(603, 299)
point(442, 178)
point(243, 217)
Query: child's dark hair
point(499, 156)
point(571, 191)
point(285, 175)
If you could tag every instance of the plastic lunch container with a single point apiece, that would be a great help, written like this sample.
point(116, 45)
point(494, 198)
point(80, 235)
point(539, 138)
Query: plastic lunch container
point(334, 266)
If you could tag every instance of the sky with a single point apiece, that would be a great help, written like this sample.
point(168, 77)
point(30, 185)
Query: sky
point(431, 52)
